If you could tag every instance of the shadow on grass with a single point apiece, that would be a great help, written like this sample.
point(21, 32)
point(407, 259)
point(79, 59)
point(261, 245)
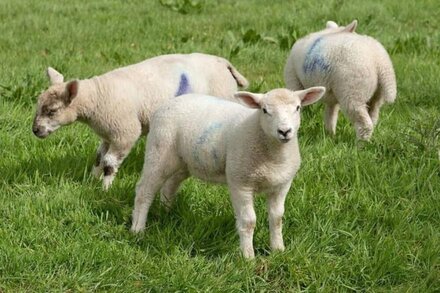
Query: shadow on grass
point(47, 169)
point(67, 165)
point(193, 232)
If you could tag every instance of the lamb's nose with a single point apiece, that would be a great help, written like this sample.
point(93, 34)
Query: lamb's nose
point(35, 130)
point(284, 133)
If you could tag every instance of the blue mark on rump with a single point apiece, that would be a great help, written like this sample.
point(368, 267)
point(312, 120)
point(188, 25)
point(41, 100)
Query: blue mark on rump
point(314, 59)
point(184, 87)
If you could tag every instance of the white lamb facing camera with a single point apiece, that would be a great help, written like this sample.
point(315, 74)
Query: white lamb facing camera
point(252, 149)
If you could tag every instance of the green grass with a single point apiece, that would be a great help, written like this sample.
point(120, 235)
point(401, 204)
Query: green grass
point(358, 217)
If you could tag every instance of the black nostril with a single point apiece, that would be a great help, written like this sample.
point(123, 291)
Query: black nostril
point(284, 133)
point(35, 130)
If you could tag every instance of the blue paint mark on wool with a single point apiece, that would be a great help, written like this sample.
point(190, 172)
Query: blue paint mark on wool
point(203, 138)
point(314, 59)
point(184, 87)
point(207, 132)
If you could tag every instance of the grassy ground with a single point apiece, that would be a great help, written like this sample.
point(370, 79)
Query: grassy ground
point(361, 218)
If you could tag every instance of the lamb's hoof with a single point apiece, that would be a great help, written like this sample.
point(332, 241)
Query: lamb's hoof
point(364, 138)
point(107, 182)
point(362, 144)
point(364, 133)
point(248, 253)
point(331, 132)
point(136, 229)
point(278, 247)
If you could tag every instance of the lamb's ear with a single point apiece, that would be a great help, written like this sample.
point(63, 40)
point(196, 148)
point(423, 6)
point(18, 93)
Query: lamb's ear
point(311, 95)
point(331, 24)
point(71, 91)
point(54, 76)
point(248, 99)
point(351, 27)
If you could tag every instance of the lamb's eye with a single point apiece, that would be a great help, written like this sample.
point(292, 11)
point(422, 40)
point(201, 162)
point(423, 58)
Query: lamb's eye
point(265, 111)
point(51, 113)
point(298, 107)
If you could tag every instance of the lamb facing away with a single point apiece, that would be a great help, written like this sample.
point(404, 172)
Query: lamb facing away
point(355, 69)
point(118, 105)
point(221, 141)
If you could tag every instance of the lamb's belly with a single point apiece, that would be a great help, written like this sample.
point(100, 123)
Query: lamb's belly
point(206, 162)
point(214, 177)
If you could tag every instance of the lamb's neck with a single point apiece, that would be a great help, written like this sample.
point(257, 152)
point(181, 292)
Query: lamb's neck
point(87, 99)
point(278, 151)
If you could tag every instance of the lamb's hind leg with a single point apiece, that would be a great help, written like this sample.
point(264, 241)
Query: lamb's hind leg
point(354, 96)
point(160, 164)
point(357, 111)
point(169, 189)
point(331, 116)
point(373, 108)
point(361, 120)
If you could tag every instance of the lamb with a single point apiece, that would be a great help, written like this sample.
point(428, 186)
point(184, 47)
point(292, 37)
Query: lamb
point(355, 69)
point(224, 142)
point(118, 105)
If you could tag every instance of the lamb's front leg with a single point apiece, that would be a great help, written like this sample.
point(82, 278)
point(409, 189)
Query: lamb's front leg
point(243, 203)
point(119, 149)
point(112, 160)
point(275, 205)
point(100, 153)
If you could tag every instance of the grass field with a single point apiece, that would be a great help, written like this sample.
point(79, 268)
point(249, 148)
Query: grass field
point(358, 217)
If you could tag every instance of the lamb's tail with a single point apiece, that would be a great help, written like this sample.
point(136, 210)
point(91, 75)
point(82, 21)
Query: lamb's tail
point(239, 78)
point(387, 81)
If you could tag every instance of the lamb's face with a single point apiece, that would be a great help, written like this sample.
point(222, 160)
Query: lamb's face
point(53, 108)
point(280, 114)
point(280, 110)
